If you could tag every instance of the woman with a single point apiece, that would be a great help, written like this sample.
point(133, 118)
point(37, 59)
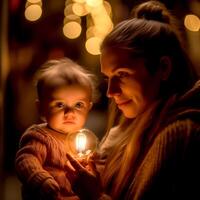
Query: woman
point(153, 150)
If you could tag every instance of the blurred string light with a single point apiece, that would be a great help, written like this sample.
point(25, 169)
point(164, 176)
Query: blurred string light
point(79, 1)
point(94, 3)
point(98, 16)
point(80, 9)
point(192, 22)
point(98, 27)
point(72, 22)
point(72, 28)
point(33, 1)
point(33, 10)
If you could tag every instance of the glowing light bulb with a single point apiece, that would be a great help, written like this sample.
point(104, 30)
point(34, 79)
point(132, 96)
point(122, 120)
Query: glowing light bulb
point(81, 142)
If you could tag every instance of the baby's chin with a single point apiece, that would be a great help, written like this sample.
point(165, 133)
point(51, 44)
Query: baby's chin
point(74, 130)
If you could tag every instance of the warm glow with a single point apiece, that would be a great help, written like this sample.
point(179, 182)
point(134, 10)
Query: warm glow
point(95, 31)
point(34, 1)
point(72, 17)
point(102, 20)
point(68, 10)
point(108, 7)
point(90, 32)
point(72, 30)
point(79, 9)
point(33, 12)
point(94, 3)
point(192, 22)
point(81, 142)
point(88, 8)
point(92, 45)
point(79, 1)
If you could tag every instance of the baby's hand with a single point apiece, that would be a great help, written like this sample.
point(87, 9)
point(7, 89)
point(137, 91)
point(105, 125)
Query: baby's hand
point(49, 189)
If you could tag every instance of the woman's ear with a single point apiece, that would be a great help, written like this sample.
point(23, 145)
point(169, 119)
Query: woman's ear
point(165, 67)
point(37, 102)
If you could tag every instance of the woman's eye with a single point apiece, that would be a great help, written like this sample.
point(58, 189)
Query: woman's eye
point(123, 74)
point(105, 79)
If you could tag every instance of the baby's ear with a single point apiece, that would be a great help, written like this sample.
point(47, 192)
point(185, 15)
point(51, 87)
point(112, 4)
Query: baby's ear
point(90, 106)
point(40, 109)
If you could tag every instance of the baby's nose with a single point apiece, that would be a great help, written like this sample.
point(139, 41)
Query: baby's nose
point(68, 110)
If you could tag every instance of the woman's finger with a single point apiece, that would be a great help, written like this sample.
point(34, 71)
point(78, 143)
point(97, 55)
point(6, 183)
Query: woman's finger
point(77, 166)
point(93, 168)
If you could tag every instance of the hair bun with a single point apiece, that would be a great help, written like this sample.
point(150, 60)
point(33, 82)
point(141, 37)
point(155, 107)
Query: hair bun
point(152, 10)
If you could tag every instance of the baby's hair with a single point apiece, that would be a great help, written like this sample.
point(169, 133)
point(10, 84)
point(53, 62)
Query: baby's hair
point(54, 73)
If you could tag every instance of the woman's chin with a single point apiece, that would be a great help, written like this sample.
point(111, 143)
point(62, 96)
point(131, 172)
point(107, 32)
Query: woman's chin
point(129, 114)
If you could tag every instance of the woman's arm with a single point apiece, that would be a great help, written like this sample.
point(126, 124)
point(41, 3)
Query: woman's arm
point(87, 184)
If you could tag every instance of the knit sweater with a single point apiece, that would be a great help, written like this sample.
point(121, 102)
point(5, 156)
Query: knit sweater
point(42, 156)
point(168, 167)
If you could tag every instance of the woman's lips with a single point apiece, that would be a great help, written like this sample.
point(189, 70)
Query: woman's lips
point(123, 103)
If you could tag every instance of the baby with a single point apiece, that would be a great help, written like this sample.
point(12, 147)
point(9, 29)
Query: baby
point(66, 93)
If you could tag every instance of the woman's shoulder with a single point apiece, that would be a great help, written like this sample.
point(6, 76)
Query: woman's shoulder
point(183, 115)
point(179, 133)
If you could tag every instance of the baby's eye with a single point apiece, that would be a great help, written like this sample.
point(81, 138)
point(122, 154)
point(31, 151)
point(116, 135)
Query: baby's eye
point(123, 74)
point(79, 105)
point(59, 105)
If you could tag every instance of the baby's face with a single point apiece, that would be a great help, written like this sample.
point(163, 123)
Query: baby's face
point(67, 107)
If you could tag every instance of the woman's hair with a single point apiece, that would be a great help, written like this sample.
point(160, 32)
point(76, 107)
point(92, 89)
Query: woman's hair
point(151, 34)
point(55, 73)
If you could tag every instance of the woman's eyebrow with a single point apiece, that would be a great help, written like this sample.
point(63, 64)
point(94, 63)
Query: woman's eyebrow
point(117, 68)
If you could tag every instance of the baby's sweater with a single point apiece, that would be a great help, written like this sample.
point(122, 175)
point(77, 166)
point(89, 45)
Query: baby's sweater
point(41, 156)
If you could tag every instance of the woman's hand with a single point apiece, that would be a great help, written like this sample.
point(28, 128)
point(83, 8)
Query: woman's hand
point(87, 182)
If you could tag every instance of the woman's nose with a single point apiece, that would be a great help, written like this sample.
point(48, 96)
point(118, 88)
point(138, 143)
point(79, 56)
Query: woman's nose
point(113, 87)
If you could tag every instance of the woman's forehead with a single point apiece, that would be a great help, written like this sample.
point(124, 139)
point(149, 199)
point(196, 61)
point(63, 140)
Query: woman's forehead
point(118, 59)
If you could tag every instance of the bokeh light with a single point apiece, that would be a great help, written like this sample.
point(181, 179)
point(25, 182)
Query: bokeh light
point(79, 9)
point(94, 3)
point(108, 7)
point(34, 1)
point(79, 1)
point(33, 12)
point(72, 29)
point(192, 22)
point(92, 45)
